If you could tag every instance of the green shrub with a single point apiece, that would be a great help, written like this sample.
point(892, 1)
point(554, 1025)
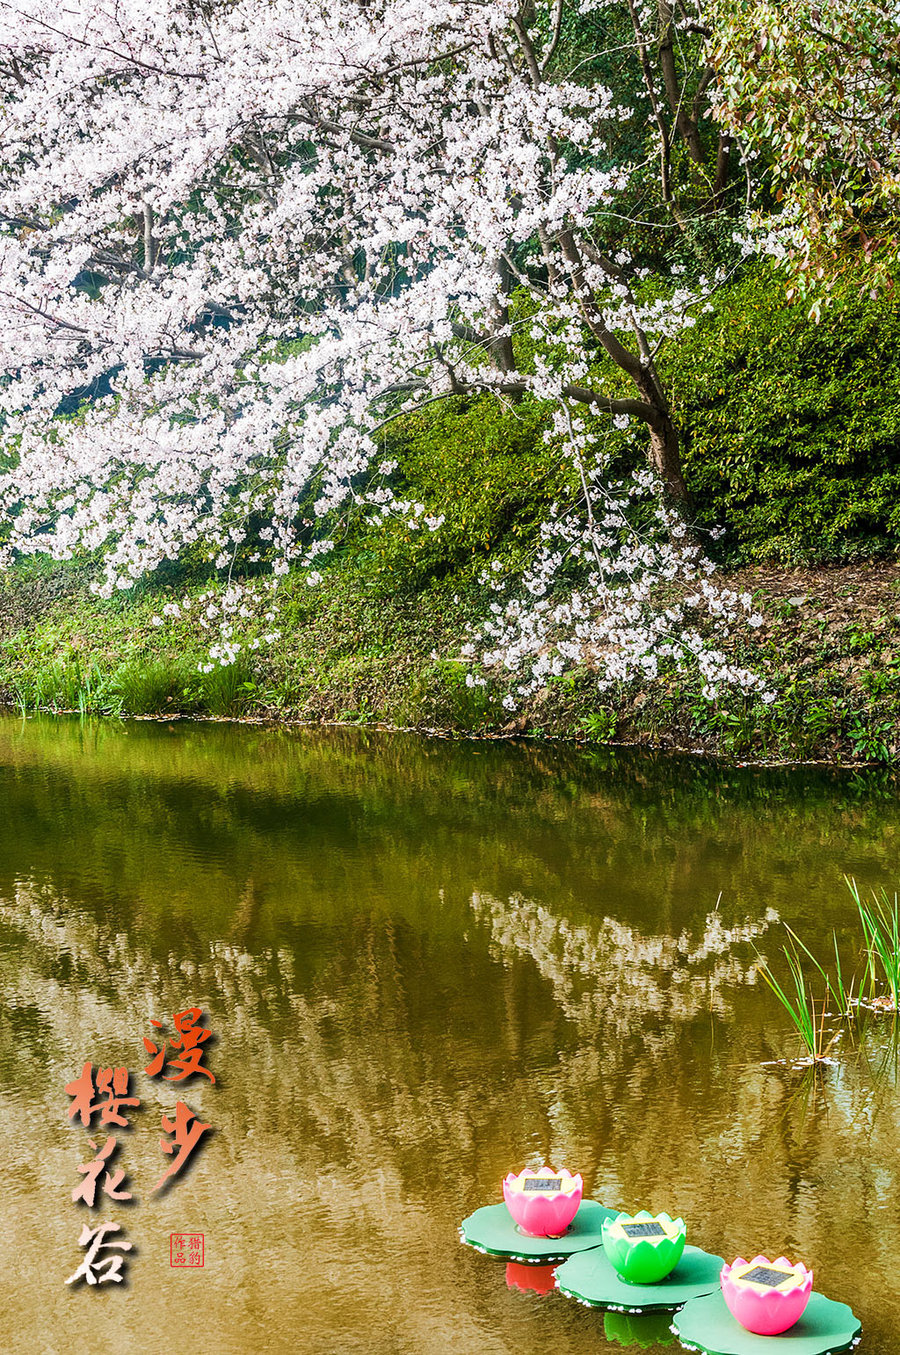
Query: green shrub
point(484, 468)
point(791, 429)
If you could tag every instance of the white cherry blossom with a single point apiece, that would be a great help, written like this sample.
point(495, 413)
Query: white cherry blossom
point(239, 237)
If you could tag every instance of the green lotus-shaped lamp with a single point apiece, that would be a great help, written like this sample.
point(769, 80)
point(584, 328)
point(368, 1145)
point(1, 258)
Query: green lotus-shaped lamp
point(644, 1247)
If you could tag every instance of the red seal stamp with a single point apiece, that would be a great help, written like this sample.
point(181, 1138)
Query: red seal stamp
point(186, 1251)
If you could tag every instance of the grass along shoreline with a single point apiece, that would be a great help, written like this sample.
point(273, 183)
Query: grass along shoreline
point(351, 654)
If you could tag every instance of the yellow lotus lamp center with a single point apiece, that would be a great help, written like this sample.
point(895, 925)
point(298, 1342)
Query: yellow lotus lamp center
point(653, 1230)
point(545, 1182)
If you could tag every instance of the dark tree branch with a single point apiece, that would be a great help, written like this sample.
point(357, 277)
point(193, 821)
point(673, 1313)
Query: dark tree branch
point(638, 409)
point(723, 162)
point(685, 124)
point(556, 29)
point(528, 51)
point(370, 143)
point(665, 175)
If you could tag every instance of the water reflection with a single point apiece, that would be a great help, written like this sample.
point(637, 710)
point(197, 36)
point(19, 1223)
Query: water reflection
point(603, 971)
point(530, 1279)
point(426, 964)
point(644, 1330)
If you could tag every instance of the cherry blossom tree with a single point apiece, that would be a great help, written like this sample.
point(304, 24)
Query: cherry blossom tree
point(239, 236)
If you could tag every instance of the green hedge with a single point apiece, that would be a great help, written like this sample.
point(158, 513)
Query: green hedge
point(791, 442)
point(792, 428)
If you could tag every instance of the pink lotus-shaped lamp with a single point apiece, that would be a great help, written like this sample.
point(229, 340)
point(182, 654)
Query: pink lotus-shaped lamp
point(766, 1297)
point(543, 1203)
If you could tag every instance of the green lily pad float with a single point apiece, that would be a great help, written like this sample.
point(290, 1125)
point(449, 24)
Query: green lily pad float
point(825, 1328)
point(645, 1330)
point(592, 1279)
point(493, 1230)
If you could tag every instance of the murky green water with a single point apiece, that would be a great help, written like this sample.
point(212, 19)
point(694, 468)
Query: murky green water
point(426, 963)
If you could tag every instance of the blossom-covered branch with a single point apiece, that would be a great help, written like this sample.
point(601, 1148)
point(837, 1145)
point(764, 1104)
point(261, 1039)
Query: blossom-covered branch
point(240, 235)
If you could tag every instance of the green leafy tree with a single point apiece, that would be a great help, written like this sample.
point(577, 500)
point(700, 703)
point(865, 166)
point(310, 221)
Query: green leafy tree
point(811, 88)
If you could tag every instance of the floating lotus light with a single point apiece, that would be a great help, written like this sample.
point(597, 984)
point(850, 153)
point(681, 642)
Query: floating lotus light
point(643, 1248)
point(766, 1297)
point(545, 1202)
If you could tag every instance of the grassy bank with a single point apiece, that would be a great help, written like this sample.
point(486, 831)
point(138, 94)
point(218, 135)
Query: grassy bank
point(347, 652)
point(791, 439)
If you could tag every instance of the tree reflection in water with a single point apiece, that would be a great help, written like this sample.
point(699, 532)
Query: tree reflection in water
point(419, 981)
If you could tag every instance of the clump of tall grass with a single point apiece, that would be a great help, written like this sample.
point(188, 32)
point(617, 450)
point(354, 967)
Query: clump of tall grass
point(880, 921)
point(65, 686)
point(138, 687)
point(150, 687)
point(800, 1005)
point(228, 690)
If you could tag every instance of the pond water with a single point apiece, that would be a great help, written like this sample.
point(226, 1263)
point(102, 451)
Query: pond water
point(425, 963)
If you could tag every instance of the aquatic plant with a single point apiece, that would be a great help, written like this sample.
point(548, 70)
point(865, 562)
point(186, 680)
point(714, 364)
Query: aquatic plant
point(800, 1006)
point(837, 990)
point(880, 921)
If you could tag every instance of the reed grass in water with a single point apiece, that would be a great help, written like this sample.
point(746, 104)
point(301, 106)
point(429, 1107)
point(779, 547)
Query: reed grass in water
point(880, 921)
point(839, 994)
point(800, 1005)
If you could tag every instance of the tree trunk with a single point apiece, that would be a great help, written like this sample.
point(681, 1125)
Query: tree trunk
point(665, 445)
point(500, 346)
point(723, 155)
point(665, 457)
point(684, 121)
